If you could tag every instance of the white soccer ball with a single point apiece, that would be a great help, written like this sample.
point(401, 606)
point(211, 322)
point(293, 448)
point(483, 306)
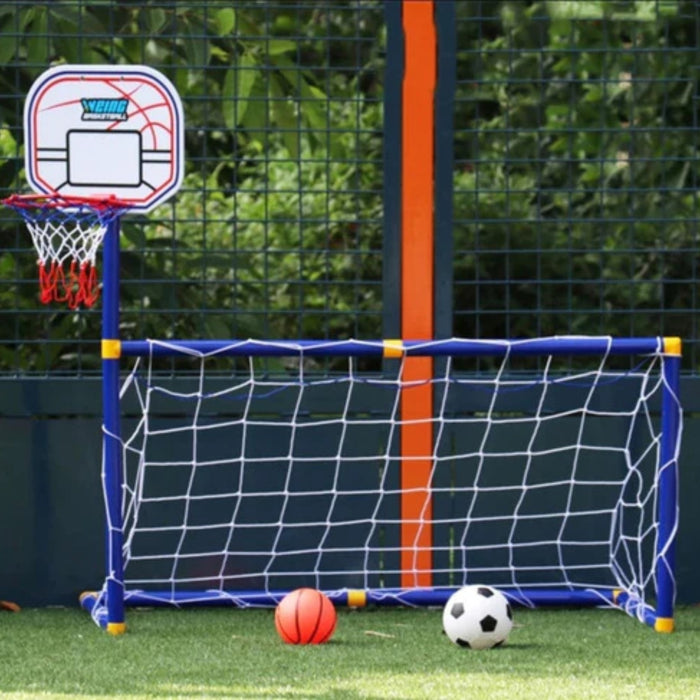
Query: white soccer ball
point(477, 617)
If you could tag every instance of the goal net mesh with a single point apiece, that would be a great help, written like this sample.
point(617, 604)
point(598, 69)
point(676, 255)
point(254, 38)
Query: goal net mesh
point(250, 476)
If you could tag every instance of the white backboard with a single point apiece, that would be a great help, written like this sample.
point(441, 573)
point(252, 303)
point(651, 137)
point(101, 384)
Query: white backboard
point(103, 130)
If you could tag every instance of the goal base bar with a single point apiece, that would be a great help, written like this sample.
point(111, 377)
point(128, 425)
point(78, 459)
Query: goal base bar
point(350, 597)
point(635, 607)
point(418, 597)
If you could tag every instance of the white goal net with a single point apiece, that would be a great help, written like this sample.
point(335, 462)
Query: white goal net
point(249, 476)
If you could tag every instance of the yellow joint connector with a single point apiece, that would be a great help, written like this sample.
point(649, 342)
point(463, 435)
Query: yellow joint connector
point(672, 346)
point(393, 348)
point(87, 594)
point(111, 349)
point(357, 599)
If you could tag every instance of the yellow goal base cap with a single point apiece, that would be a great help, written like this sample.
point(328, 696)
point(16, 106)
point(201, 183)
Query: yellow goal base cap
point(116, 628)
point(664, 624)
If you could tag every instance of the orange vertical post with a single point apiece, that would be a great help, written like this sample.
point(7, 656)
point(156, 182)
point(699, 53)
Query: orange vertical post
point(417, 259)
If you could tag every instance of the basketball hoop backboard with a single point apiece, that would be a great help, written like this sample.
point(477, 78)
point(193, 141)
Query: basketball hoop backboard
point(103, 130)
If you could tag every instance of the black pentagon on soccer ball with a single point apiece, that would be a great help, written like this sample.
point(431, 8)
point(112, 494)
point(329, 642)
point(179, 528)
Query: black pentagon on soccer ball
point(488, 623)
point(486, 592)
point(457, 610)
point(509, 611)
point(463, 643)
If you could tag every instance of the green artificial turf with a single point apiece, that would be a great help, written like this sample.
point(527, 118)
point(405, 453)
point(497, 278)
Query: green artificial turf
point(380, 653)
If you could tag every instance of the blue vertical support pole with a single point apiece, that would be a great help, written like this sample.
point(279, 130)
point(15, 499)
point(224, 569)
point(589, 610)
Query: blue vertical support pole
point(668, 487)
point(112, 456)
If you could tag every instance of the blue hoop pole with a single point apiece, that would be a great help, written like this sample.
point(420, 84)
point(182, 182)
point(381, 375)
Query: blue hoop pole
point(112, 458)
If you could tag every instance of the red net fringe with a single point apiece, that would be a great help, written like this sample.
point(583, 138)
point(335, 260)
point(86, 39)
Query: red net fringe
point(74, 287)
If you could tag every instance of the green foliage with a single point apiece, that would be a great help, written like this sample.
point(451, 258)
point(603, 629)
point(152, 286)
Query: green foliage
point(575, 205)
point(574, 187)
point(276, 231)
point(282, 255)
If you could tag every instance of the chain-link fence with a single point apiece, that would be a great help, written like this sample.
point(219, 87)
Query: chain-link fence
point(276, 231)
point(574, 134)
point(575, 193)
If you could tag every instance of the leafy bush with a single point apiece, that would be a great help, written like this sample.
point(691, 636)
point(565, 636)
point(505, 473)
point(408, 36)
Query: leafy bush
point(574, 191)
point(294, 251)
point(277, 230)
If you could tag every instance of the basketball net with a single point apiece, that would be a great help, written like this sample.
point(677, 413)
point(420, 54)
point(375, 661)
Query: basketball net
point(67, 232)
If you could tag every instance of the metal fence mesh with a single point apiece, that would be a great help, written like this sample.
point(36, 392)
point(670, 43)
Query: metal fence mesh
point(277, 229)
point(575, 188)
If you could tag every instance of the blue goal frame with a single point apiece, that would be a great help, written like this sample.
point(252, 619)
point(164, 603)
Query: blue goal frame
point(113, 600)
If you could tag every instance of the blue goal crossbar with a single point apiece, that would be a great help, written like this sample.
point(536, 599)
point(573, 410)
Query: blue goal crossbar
point(455, 347)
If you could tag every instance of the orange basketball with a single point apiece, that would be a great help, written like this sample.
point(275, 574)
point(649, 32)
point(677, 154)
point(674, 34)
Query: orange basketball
point(305, 616)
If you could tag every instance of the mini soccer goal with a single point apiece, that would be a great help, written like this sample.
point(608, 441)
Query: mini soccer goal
point(252, 468)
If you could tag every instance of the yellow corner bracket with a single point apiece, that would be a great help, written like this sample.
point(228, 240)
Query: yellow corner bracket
point(672, 346)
